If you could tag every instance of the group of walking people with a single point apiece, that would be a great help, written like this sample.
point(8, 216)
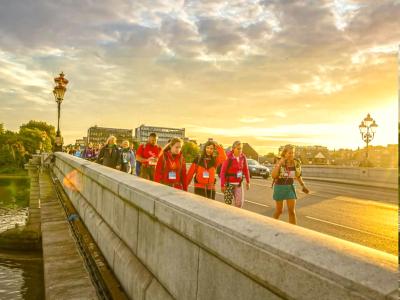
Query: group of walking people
point(168, 166)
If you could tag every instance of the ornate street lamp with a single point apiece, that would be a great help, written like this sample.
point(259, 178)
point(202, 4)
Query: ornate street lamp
point(59, 92)
point(43, 136)
point(367, 128)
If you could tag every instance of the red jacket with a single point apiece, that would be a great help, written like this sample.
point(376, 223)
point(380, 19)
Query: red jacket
point(230, 175)
point(146, 151)
point(198, 168)
point(171, 163)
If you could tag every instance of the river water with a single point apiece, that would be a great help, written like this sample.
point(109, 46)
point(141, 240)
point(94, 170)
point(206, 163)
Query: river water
point(21, 273)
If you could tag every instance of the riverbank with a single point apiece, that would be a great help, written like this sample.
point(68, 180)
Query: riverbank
point(12, 176)
point(13, 173)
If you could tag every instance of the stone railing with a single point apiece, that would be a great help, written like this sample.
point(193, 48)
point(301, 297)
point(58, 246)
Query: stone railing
point(167, 244)
point(386, 176)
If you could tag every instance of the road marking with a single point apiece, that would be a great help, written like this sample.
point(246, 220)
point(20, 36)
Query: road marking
point(351, 228)
point(264, 205)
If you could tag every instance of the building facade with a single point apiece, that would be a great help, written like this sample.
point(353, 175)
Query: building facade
point(247, 150)
point(99, 135)
point(250, 152)
point(81, 142)
point(343, 157)
point(380, 156)
point(310, 155)
point(164, 133)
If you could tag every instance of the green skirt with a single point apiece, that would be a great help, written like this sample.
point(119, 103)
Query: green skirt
point(284, 192)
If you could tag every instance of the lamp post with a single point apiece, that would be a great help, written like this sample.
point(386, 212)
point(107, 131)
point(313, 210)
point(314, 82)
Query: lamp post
point(59, 92)
point(367, 128)
point(42, 142)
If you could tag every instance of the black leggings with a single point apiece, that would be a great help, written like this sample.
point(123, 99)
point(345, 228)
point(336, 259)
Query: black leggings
point(210, 194)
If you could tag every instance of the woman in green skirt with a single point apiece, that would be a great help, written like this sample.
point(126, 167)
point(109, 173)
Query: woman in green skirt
point(284, 173)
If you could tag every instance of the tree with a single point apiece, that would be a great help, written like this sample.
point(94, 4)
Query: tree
point(190, 151)
point(135, 144)
point(34, 139)
point(42, 126)
point(11, 149)
point(270, 158)
point(14, 146)
point(37, 135)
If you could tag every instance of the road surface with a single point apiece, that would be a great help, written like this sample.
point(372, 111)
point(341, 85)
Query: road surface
point(363, 215)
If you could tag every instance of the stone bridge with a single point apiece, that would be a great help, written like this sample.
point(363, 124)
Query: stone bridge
point(163, 243)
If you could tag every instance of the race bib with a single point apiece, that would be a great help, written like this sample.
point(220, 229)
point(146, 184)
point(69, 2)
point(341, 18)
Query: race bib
point(125, 158)
point(239, 174)
point(206, 175)
point(172, 175)
point(153, 161)
point(292, 174)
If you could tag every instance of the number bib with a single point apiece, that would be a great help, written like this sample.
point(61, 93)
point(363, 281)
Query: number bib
point(172, 175)
point(206, 175)
point(239, 174)
point(153, 161)
point(290, 174)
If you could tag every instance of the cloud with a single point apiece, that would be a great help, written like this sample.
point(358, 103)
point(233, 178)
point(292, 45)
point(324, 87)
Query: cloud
point(213, 62)
point(251, 120)
point(280, 114)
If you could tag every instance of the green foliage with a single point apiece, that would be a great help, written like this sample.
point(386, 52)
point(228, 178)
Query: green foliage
point(6, 157)
point(11, 149)
point(135, 144)
point(270, 157)
point(11, 170)
point(34, 139)
point(190, 151)
point(42, 126)
point(15, 147)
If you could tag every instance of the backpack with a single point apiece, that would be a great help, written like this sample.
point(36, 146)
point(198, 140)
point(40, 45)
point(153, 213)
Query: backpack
point(229, 189)
point(297, 165)
point(227, 174)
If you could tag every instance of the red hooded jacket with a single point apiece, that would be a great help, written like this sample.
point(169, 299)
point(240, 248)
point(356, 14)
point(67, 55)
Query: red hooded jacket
point(198, 167)
point(171, 163)
point(230, 175)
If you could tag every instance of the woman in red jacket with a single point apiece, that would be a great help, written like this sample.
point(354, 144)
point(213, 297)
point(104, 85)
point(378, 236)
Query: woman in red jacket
point(204, 169)
point(233, 171)
point(171, 166)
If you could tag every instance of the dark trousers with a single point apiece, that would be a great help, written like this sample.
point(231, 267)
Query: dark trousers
point(210, 194)
point(147, 172)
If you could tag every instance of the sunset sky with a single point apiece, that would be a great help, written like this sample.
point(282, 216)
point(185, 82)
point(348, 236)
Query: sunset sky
point(264, 72)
